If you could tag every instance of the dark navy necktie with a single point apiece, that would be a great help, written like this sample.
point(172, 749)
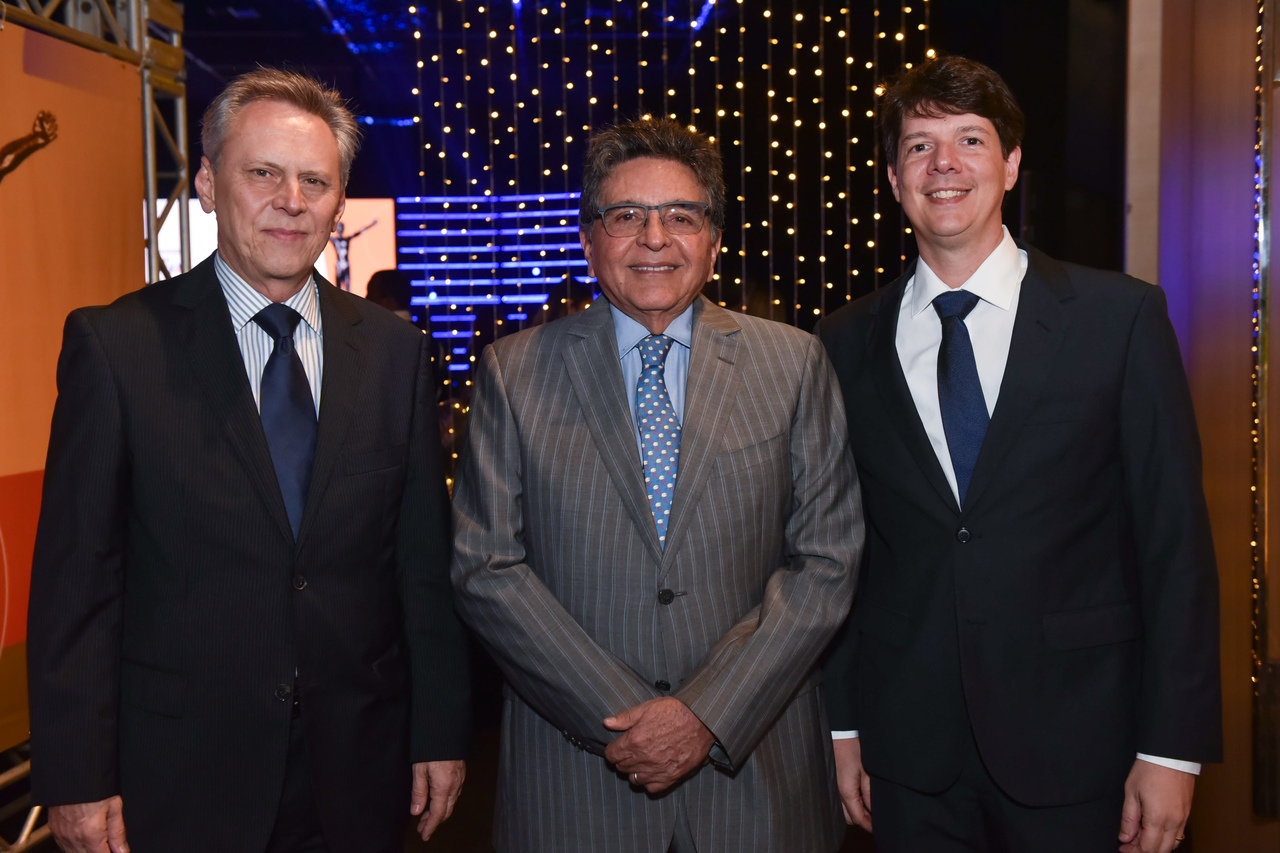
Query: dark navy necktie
point(659, 431)
point(964, 410)
point(288, 410)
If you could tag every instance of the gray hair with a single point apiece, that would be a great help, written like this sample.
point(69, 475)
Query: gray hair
point(663, 139)
point(299, 90)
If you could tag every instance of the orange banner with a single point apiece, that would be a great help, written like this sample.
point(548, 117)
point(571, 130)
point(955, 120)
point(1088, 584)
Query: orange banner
point(70, 227)
point(71, 179)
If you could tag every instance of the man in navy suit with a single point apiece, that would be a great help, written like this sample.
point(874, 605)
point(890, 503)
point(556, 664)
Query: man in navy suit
point(1032, 660)
point(241, 624)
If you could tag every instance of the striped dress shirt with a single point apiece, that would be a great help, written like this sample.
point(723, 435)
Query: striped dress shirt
point(256, 345)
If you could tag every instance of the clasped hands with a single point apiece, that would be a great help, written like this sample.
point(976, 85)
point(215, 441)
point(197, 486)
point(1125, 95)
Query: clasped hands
point(662, 742)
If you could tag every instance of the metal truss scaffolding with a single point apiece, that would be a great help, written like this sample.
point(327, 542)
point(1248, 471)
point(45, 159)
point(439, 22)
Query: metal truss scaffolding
point(147, 34)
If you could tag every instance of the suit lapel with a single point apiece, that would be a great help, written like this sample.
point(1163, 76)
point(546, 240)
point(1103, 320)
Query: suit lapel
point(215, 358)
point(1038, 331)
point(591, 360)
point(891, 383)
point(343, 368)
point(710, 391)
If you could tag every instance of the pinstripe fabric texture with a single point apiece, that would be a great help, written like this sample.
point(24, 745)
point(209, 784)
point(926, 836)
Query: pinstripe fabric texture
point(558, 568)
point(256, 345)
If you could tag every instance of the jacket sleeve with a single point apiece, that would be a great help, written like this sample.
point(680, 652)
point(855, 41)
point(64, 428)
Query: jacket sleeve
point(838, 674)
point(547, 657)
point(752, 673)
point(441, 697)
point(1180, 703)
point(77, 581)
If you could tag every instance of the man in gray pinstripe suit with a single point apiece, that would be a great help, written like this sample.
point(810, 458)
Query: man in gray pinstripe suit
point(658, 643)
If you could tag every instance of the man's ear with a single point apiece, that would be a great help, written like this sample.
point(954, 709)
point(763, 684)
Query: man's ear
point(204, 185)
point(1011, 164)
point(342, 206)
point(584, 237)
point(893, 183)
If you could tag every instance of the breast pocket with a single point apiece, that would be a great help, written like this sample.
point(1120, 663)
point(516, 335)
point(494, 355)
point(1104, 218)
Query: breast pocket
point(733, 461)
point(372, 461)
point(1059, 410)
point(749, 493)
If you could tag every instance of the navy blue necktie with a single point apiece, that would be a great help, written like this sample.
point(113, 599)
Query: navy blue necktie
point(964, 410)
point(288, 410)
point(659, 431)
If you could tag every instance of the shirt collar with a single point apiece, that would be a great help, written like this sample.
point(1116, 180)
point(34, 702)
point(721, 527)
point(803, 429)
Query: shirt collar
point(629, 332)
point(244, 302)
point(996, 281)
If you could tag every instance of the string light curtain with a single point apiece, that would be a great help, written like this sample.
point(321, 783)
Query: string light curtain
point(790, 97)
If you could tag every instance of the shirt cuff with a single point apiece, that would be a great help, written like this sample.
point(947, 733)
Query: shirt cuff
point(845, 735)
point(1172, 763)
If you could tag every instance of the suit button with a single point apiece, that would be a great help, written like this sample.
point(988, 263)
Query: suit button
point(963, 535)
point(662, 685)
point(666, 596)
point(299, 582)
point(284, 691)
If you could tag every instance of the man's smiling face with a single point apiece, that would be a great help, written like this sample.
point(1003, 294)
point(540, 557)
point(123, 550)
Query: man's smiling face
point(277, 193)
point(654, 276)
point(951, 178)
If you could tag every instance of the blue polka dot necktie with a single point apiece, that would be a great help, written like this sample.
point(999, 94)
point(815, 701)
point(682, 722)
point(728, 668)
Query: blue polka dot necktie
point(659, 431)
point(964, 410)
point(288, 410)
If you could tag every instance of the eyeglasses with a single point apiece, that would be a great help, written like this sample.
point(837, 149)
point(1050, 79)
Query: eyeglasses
point(678, 217)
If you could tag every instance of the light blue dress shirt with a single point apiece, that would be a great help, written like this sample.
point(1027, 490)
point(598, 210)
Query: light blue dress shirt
point(675, 370)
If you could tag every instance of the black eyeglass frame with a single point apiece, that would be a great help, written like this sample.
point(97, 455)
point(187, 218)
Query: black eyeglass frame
point(704, 206)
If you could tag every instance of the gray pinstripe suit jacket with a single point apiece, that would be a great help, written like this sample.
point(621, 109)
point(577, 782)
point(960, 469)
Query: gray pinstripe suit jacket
point(558, 569)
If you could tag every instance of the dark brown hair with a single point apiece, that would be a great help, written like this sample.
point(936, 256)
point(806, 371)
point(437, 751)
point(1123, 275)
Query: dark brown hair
point(949, 85)
point(661, 138)
point(299, 90)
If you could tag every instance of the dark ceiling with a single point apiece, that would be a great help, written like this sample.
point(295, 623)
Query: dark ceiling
point(363, 47)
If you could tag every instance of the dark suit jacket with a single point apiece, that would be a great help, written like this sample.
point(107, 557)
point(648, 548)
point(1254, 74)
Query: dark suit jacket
point(1069, 613)
point(170, 605)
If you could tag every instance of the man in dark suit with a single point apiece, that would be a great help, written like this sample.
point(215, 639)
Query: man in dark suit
point(241, 628)
point(657, 522)
point(1032, 660)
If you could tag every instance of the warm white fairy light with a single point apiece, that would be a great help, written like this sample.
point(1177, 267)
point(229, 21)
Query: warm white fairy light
point(552, 106)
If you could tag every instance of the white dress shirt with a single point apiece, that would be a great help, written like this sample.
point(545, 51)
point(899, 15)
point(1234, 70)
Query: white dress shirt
point(256, 345)
point(997, 284)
